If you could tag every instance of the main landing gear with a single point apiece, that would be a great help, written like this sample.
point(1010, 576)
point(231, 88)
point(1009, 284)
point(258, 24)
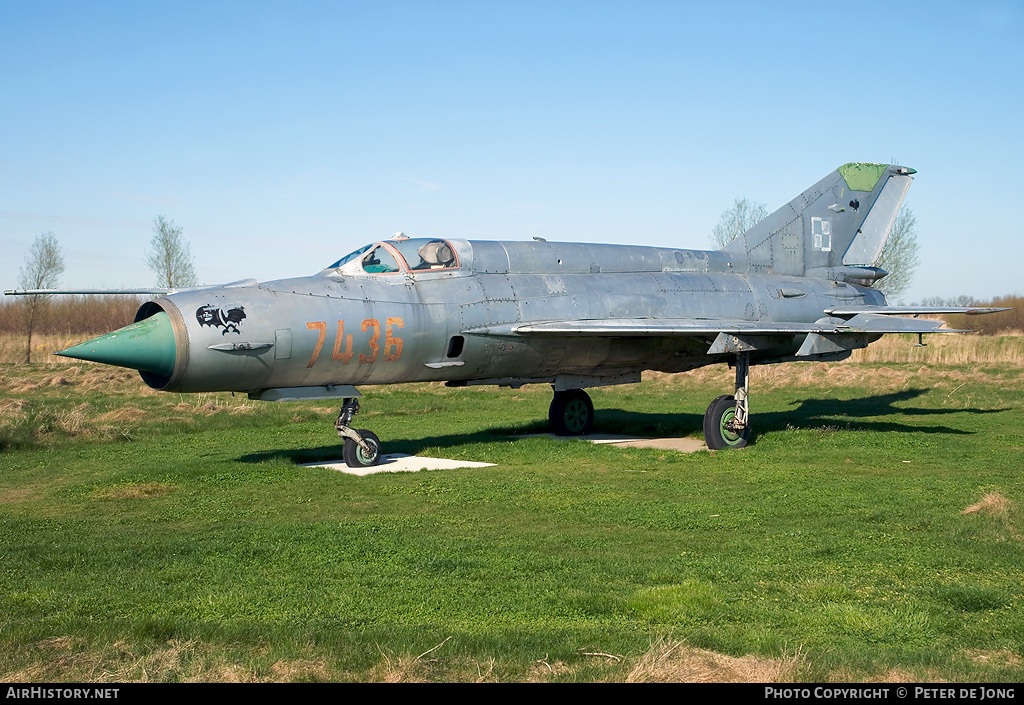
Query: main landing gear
point(571, 413)
point(362, 447)
point(727, 420)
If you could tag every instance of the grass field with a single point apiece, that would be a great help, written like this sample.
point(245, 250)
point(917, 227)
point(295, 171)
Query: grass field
point(873, 532)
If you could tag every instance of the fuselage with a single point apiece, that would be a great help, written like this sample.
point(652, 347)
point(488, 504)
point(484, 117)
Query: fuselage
point(378, 318)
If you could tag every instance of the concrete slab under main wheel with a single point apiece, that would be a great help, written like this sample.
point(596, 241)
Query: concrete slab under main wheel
point(681, 445)
point(400, 462)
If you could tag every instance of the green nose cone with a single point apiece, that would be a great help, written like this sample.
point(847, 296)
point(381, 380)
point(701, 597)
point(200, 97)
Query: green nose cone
point(147, 346)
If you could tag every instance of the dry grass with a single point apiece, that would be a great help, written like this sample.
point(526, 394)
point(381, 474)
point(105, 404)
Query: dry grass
point(300, 670)
point(999, 509)
point(675, 662)
point(664, 662)
point(43, 403)
point(12, 346)
point(993, 504)
point(996, 662)
point(22, 379)
point(69, 421)
point(9, 407)
point(67, 659)
point(842, 374)
point(210, 404)
point(126, 413)
point(1003, 658)
point(399, 669)
point(947, 349)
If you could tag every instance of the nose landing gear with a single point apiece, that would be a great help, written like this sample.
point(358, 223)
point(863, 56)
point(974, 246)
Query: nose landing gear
point(361, 448)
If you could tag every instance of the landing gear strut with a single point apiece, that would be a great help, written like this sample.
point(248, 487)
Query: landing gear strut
point(727, 420)
point(362, 447)
point(571, 413)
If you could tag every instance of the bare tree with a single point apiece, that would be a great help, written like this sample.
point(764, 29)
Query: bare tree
point(171, 258)
point(42, 270)
point(736, 220)
point(899, 255)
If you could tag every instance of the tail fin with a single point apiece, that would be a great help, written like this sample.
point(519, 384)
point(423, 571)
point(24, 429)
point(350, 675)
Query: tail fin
point(840, 222)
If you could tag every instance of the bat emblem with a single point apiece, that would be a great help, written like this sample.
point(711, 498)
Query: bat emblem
point(229, 317)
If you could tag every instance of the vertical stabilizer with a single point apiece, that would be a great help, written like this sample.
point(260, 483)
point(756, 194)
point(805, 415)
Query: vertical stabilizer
point(841, 221)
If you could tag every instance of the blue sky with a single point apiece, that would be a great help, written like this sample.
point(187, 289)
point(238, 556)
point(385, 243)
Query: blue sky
point(281, 135)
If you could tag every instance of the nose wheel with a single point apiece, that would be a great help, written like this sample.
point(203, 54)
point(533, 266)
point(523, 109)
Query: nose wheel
point(362, 456)
point(361, 448)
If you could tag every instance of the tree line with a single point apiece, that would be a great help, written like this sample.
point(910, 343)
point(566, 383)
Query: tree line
point(169, 257)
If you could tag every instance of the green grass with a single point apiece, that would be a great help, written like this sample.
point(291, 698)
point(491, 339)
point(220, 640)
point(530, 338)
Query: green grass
point(186, 542)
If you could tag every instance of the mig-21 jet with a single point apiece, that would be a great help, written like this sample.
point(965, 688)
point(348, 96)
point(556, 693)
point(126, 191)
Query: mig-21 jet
point(796, 286)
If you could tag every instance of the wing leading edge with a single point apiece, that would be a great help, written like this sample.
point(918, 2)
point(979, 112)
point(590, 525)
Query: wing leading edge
point(647, 327)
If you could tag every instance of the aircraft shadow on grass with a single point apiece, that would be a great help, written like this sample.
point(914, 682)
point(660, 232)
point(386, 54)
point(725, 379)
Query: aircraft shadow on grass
point(806, 414)
point(811, 413)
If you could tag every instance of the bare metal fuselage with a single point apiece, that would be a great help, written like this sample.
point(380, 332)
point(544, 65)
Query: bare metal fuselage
point(458, 325)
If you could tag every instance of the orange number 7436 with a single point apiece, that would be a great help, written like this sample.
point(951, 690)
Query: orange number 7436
point(343, 343)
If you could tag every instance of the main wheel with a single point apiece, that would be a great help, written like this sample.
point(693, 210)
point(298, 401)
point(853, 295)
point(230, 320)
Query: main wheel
point(717, 421)
point(571, 413)
point(356, 457)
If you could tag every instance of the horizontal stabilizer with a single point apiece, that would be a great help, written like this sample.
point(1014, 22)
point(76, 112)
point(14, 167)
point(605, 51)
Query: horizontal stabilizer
point(911, 310)
point(875, 323)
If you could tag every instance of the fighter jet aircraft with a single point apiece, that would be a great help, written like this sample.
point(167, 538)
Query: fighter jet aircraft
point(796, 286)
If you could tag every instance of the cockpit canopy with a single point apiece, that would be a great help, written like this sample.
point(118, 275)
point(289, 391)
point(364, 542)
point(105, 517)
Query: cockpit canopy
point(407, 254)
